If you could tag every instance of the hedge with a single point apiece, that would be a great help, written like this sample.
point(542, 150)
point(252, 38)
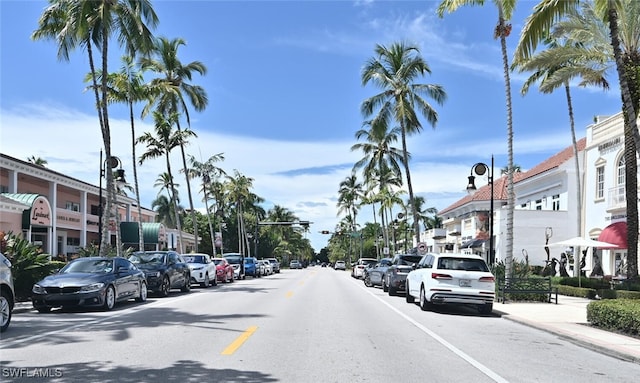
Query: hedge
point(621, 315)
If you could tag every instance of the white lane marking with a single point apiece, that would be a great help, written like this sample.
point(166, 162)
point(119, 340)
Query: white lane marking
point(111, 315)
point(484, 369)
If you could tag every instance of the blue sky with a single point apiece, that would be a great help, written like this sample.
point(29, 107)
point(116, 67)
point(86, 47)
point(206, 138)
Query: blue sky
point(284, 92)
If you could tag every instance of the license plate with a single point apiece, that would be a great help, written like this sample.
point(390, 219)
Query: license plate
point(465, 283)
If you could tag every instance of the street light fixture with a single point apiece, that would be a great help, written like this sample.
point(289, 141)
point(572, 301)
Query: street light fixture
point(108, 165)
point(481, 169)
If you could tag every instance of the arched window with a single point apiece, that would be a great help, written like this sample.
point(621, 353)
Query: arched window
point(620, 181)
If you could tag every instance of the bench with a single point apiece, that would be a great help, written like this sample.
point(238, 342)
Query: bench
point(523, 286)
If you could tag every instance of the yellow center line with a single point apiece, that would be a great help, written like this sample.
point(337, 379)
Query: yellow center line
point(239, 341)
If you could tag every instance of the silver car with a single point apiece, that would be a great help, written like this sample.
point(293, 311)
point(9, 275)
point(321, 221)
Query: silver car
point(7, 295)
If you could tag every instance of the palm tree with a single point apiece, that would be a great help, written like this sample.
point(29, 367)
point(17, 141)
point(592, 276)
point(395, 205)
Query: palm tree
point(164, 209)
point(169, 95)
point(349, 193)
point(127, 86)
point(37, 161)
point(94, 22)
point(238, 190)
point(204, 170)
point(555, 67)
point(545, 15)
point(161, 145)
point(394, 69)
point(502, 31)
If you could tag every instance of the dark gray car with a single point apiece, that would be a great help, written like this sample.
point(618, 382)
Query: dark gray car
point(374, 275)
point(396, 274)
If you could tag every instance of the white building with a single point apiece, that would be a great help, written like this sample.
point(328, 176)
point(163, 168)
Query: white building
point(605, 201)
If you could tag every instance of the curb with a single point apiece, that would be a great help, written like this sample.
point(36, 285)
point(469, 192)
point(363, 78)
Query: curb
point(582, 343)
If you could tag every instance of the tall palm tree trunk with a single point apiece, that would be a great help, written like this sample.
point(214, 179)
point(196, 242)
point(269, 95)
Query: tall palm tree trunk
point(632, 144)
point(576, 261)
point(502, 28)
point(186, 175)
point(174, 202)
point(135, 176)
point(414, 211)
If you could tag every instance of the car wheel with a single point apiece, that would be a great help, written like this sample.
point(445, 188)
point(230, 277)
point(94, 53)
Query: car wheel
point(392, 291)
point(187, 284)
point(385, 287)
point(367, 281)
point(214, 282)
point(109, 299)
point(408, 297)
point(5, 310)
point(206, 282)
point(232, 279)
point(143, 293)
point(165, 287)
point(486, 308)
point(43, 310)
point(424, 304)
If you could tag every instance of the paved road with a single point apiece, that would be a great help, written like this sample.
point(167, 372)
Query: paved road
point(307, 325)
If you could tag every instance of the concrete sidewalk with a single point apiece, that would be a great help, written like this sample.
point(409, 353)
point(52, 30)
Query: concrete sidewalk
point(568, 319)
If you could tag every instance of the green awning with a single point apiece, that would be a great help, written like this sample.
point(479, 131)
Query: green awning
point(150, 232)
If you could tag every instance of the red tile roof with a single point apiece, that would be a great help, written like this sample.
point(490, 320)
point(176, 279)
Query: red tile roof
point(500, 185)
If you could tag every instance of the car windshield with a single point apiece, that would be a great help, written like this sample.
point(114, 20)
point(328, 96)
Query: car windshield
point(234, 259)
point(93, 266)
point(194, 258)
point(467, 264)
point(147, 258)
point(409, 260)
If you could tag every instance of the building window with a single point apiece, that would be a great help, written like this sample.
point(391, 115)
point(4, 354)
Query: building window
point(4, 189)
point(621, 175)
point(538, 204)
point(600, 182)
point(72, 206)
point(555, 202)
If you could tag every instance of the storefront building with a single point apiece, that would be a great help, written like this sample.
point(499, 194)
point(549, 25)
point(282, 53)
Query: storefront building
point(61, 214)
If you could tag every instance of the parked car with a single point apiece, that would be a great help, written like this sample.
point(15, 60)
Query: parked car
point(267, 268)
point(235, 259)
point(396, 274)
point(251, 267)
point(340, 265)
point(203, 270)
point(224, 270)
point(275, 264)
point(374, 274)
point(452, 278)
point(295, 264)
point(90, 281)
point(358, 268)
point(165, 270)
point(7, 293)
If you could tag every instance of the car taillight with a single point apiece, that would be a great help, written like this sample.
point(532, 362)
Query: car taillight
point(440, 276)
point(487, 279)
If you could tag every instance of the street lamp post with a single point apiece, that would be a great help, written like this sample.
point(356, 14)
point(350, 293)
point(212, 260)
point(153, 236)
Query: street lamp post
point(481, 169)
point(108, 165)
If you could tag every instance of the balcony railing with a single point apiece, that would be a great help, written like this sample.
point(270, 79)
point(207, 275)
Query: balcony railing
point(617, 198)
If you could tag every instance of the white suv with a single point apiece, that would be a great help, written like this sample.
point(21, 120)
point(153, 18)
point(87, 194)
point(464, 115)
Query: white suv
point(452, 278)
point(358, 268)
point(7, 295)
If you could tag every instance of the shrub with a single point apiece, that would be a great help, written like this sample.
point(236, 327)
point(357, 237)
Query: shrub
point(29, 264)
point(577, 291)
point(589, 283)
point(621, 315)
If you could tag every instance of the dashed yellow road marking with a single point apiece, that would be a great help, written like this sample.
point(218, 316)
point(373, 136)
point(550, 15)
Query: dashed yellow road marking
point(239, 341)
